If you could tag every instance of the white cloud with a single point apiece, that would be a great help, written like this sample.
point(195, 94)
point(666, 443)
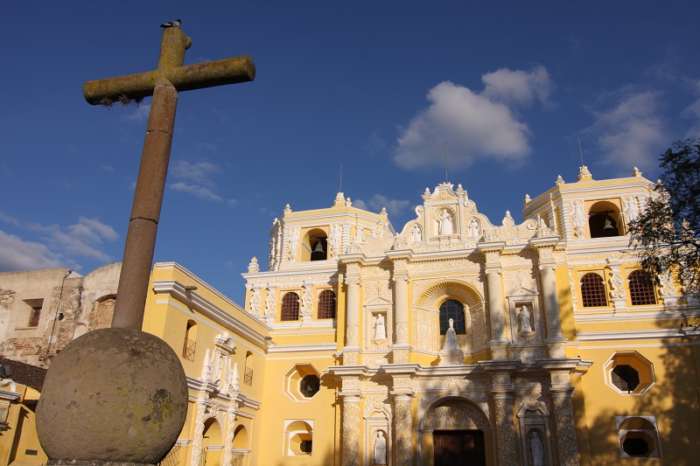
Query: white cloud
point(18, 254)
point(196, 172)
point(197, 179)
point(518, 86)
point(197, 190)
point(460, 127)
point(83, 239)
point(140, 113)
point(632, 131)
point(377, 201)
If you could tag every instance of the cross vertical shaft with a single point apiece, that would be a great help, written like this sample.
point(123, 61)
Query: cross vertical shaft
point(145, 211)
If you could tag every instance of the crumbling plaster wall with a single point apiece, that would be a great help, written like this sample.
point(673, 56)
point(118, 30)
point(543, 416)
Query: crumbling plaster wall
point(70, 302)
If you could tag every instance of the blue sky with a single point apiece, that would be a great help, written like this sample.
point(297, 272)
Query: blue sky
point(393, 91)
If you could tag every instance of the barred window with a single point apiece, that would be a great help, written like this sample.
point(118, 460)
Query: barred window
point(452, 309)
point(326, 305)
point(290, 306)
point(641, 288)
point(593, 290)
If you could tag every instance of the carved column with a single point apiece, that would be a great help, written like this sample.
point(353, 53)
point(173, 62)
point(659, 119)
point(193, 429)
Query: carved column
point(494, 286)
point(198, 434)
point(548, 282)
point(401, 344)
point(561, 391)
point(505, 434)
point(351, 421)
point(352, 314)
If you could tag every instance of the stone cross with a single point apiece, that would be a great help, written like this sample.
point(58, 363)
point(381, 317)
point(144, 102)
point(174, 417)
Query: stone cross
point(163, 83)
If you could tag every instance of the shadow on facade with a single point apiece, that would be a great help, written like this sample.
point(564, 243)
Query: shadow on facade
point(674, 402)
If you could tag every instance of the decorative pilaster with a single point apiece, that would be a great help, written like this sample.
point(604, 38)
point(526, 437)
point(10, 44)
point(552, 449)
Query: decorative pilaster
point(548, 282)
point(400, 278)
point(352, 418)
point(228, 442)
point(402, 395)
point(198, 434)
point(617, 284)
point(494, 286)
point(352, 314)
point(502, 401)
point(561, 391)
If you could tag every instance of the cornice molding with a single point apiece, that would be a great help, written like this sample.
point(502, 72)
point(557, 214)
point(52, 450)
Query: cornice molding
point(212, 311)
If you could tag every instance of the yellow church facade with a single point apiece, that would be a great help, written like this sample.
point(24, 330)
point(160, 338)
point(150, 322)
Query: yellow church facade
point(452, 340)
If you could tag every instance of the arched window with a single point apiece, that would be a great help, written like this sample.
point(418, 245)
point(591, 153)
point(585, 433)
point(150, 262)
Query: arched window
point(638, 438)
point(604, 220)
point(593, 290)
point(326, 304)
point(299, 438)
point(290, 306)
point(240, 438)
point(189, 348)
point(452, 309)
point(641, 288)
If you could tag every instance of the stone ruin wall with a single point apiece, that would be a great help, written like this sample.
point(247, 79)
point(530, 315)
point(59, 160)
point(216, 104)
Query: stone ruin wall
point(73, 305)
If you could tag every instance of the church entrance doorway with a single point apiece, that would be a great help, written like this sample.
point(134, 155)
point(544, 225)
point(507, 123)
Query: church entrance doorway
point(459, 448)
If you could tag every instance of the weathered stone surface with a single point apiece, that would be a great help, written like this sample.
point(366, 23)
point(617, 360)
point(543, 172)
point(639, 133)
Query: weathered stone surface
point(124, 387)
point(72, 306)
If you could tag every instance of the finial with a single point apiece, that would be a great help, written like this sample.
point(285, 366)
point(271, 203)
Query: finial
point(287, 209)
point(584, 173)
point(348, 202)
point(459, 188)
point(508, 219)
point(637, 172)
point(383, 212)
point(528, 199)
point(253, 266)
point(339, 200)
point(560, 179)
point(427, 191)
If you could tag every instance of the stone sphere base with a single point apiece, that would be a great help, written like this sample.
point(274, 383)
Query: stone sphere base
point(112, 396)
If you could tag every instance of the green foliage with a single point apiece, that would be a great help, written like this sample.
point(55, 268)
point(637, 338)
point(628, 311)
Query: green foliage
point(667, 233)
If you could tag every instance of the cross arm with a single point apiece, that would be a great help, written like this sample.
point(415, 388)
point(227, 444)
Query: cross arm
point(183, 78)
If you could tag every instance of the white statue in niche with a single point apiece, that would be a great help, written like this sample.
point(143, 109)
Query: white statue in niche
point(536, 447)
point(416, 234)
point(451, 354)
point(380, 448)
point(445, 227)
point(474, 230)
point(525, 320)
point(379, 328)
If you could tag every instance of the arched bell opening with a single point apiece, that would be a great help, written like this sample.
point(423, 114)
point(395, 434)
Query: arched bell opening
point(604, 220)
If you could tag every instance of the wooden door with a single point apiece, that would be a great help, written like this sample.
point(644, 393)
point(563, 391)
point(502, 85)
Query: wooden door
point(459, 448)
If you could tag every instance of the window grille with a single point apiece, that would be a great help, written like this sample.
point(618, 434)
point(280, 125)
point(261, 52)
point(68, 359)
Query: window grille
point(290, 306)
point(641, 288)
point(326, 305)
point(593, 290)
point(452, 309)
